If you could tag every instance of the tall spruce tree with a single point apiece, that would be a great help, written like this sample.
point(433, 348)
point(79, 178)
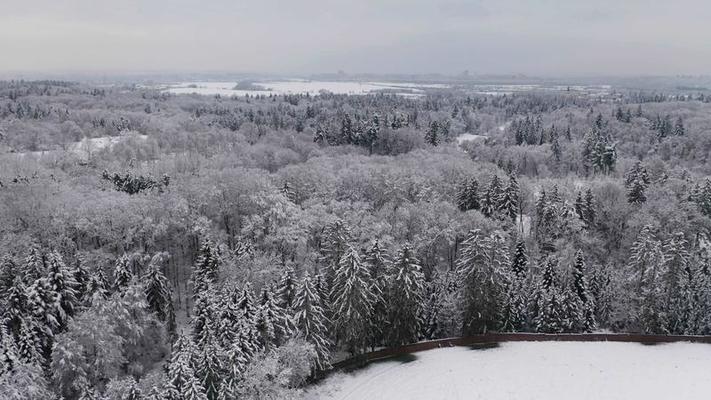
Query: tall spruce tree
point(582, 295)
point(312, 323)
point(158, 292)
point(637, 181)
point(206, 268)
point(122, 273)
point(405, 298)
point(353, 301)
point(481, 267)
point(62, 285)
point(378, 264)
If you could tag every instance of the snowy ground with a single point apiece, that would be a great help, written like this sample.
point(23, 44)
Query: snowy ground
point(84, 148)
point(296, 86)
point(533, 370)
point(469, 137)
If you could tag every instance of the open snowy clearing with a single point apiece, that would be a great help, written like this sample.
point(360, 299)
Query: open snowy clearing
point(533, 370)
point(302, 87)
point(85, 147)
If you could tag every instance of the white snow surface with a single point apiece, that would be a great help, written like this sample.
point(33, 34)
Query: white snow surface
point(533, 370)
point(469, 137)
point(296, 86)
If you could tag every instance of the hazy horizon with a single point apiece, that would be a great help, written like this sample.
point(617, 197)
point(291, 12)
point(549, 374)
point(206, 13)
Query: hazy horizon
point(543, 38)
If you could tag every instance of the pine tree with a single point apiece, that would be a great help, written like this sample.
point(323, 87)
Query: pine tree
point(580, 206)
point(646, 264)
point(204, 314)
point(468, 195)
point(16, 307)
point(274, 323)
point(510, 198)
point(406, 298)
point(286, 289)
point(134, 393)
point(556, 149)
point(580, 288)
point(551, 312)
point(482, 267)
point(209, 370)
point(289, 193)
point(679, 129)
point(312, 323)
point(514, 313)
point(636, 181)
point(158, 292)
point(335, 242)
point(433, 134)
point(97, 285)
point(81, 277)
point(41, 300)
point(62, 284)
point(206, 268)
point(378, 264)
point(678, 281)
point(122, 273)
point(182, 381)
point(519, 264)
point(589, 210)
point(353, 301)
point(462, 196)
point(495, 191)
point(35, 265)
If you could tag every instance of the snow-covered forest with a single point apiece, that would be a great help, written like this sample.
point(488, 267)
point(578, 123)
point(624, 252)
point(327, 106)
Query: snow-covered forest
point(189, 247)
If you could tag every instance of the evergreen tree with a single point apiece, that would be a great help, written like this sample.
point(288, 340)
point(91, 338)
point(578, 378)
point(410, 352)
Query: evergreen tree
point(679, 129)
point(15, 308)
point(312, 323)
point(510, 198)
point(468, 195)
point(406, 298)
point(134, 392)
point(206, 268)
point(286, 289)
point(636, 181)
point(335, 242)
point(122, 273)
point(97, 285)
point(62, 284)
point(678, 280)
point(41, 302)
point(209, 370)
point(519, 264)
point(353, 301)
point(589, 210)
point(204, 314)
point(646, 264)
point(377, 261)
point(580, 288)
point(482, 267)
point(35, 265)
point(274, 323)
point(81, 277)
point(551, 312)
point(158, 292)
point(433, 133)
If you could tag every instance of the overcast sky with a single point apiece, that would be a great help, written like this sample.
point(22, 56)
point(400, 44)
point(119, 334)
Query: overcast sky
point(536, 37)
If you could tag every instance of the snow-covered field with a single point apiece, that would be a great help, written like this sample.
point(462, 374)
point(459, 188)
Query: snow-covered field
point(301, 87)
point(87, 146)
point(533, 371)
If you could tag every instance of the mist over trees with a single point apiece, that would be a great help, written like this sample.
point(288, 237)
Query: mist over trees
point(224, 248)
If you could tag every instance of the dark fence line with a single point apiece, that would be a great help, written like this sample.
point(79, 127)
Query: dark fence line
point(492, 338)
